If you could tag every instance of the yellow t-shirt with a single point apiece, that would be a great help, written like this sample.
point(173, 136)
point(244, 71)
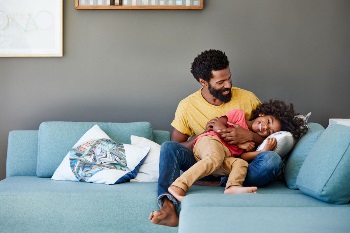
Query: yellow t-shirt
point(194, 112)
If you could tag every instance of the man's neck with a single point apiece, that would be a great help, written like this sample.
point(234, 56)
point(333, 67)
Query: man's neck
point(210, 98)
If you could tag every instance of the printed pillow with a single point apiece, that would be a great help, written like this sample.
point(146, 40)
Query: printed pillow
point(325, 173)
point(300, 152)
point(96, 158)
point(149, 170)
point(285, 143)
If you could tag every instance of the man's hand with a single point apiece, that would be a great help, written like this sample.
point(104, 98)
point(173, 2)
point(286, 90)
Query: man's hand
point(236, 135)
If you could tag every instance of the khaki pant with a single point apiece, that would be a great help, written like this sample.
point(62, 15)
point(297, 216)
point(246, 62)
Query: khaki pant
point(211, 155)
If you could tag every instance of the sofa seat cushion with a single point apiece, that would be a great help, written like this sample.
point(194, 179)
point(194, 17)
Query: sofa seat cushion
point(276, 194)
point(222, 219)
point(273, 209)
point(55, 139)
point(32, 204)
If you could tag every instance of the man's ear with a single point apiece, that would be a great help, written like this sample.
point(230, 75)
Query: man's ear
point(202, 82)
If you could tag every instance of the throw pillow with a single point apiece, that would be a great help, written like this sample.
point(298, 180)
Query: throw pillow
point(300, 152)
point(285, 143)
point(149, 170)
point(55, 138)
point(325, 173)
point(96, 158)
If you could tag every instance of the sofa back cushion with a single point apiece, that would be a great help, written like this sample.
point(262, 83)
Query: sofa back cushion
point(325, 173)
point(56, 138)
point(22, 152)
point(300, 152)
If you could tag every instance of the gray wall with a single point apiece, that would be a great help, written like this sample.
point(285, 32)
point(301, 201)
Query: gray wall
point(121, 66)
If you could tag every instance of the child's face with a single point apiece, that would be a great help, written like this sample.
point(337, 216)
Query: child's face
point(266, 125)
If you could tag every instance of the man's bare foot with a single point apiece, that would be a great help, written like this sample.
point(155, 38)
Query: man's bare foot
point(240, 189)
point(177, 192)
point(166, 216)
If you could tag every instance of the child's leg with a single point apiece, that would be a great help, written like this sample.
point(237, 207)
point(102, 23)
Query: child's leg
point(237, 170)
point(210, 153)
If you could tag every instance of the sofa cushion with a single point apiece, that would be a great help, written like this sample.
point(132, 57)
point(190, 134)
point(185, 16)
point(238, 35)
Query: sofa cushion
point(325, 173)
point(30, 204)
point(210, 219)
point(95, 158)
point(22, 151)
point(56, 138)
point(285, 143)
point(299, 153)
point(149, 170)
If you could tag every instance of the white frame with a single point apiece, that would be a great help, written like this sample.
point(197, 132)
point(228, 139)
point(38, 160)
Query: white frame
point(31, 28)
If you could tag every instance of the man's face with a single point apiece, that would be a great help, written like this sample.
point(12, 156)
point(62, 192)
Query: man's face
point(220, 85)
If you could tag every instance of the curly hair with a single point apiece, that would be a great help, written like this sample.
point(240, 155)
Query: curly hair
point(208, 61)
point(285, 113)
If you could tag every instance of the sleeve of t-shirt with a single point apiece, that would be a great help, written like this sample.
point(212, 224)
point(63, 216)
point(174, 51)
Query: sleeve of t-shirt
point(180, 122)
point(236, 116)
point(255, 102)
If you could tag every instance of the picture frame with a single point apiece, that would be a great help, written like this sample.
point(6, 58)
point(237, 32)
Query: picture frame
point(31, 28)
point(139, 4)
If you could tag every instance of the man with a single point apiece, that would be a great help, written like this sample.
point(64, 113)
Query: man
point(192, 117)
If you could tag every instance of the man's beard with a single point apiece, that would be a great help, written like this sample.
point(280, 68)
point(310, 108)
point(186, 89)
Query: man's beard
point(218, 94)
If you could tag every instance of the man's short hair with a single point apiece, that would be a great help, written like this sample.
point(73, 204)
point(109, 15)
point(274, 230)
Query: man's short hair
point(208, 61)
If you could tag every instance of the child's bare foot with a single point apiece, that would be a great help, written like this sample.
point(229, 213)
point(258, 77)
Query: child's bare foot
point(177, 192)
point(240, 189)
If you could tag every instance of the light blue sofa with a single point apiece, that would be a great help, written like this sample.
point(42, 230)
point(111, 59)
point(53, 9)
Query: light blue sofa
point(31, 202)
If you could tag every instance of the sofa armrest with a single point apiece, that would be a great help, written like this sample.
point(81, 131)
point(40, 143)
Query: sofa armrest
point(22, 153)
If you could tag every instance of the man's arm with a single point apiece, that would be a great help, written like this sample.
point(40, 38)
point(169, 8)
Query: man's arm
point(177, 136)
point(238, 135)
point(213, 124)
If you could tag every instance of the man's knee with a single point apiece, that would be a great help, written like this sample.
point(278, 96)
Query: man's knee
point(263, 169)
point(270, 161)
point(168, 145)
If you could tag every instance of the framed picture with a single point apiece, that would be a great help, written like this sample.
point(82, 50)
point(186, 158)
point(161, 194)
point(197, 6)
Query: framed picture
point(31, 28)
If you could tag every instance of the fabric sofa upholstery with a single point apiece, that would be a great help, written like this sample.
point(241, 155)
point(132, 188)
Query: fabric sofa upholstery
point(32, 202)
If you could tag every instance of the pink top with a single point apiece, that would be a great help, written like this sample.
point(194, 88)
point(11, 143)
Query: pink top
point(235, 116)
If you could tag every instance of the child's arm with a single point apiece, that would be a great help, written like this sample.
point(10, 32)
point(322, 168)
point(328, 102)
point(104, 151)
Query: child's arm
point(270, 145)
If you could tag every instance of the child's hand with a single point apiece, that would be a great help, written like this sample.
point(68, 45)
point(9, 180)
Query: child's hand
point(247, 146)
point(270, 144)
point(210, 124)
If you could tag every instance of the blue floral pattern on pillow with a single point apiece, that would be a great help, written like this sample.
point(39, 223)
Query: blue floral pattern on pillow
point(93, 156)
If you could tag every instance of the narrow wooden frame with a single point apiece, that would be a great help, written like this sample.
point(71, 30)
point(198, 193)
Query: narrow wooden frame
point(119, 6)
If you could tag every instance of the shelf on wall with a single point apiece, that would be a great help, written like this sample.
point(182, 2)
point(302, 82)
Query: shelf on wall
point(139, 4)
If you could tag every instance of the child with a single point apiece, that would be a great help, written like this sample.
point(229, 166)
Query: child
point(215, 156)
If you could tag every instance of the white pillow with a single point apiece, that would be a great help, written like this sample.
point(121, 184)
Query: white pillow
point(149, 170)
point(285, 143)
point(120, 162)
